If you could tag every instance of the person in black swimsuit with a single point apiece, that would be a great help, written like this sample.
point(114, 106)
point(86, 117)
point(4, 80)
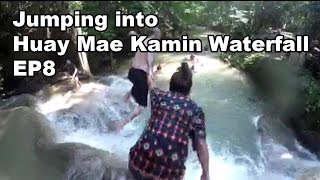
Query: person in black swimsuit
point(141, 69)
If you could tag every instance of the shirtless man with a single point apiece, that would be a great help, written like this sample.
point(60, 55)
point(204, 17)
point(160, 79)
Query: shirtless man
point(140, 71)
point(73, 72)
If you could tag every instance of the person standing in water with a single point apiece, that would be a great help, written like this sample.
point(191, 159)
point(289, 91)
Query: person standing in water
point(162, 149)
point(141, 70)
point(193, 61)
point(73, 72)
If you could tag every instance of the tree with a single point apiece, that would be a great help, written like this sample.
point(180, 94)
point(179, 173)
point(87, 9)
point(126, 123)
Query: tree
point(312, 21)
point(1, 86)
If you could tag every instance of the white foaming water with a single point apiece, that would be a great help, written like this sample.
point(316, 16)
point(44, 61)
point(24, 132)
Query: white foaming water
point(85, 121)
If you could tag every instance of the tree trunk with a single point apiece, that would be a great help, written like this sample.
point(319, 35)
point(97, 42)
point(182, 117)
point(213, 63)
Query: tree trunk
point(83, 58)
point(111, 61)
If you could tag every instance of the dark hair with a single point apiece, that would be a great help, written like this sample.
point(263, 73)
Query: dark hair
point(181, 81)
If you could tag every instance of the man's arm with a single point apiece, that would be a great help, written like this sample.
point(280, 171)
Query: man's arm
point(151, 83)
point(198, 135)
point(203, 156)
point(150, 57)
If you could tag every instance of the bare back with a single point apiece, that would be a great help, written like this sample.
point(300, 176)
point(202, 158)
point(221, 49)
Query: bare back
point(140, 60)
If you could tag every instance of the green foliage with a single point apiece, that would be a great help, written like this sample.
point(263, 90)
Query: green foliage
point(238, 18)
point(186, 13)
point(98, 7)
point(250, 17)
point(312, 94)
point(242, 61)
point(231, 17)
point(312, 20)
point(241, 18)
point(74, 5)
point(178, 14)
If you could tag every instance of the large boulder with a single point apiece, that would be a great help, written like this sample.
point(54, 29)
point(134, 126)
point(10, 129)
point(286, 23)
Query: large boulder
point(81, 162)
point(280, 153)
point(23, 134)
point(75, 161)
point(310, 139)
point(28, 151)
point(18, 101)
point(277, 131)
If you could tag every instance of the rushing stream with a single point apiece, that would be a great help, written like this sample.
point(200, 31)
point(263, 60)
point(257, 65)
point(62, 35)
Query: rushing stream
point(225, 94)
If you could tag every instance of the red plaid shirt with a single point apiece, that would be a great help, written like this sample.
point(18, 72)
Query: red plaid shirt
point(162, 149)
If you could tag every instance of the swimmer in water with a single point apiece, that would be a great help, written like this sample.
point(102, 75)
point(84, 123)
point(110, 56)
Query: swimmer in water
point(193, 60)
point(159, 68)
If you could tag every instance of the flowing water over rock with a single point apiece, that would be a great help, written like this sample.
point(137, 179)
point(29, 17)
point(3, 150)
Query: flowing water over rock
point(231, 110)
point(237, 151)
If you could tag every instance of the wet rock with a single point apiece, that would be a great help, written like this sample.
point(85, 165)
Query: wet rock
point(23, 135)
point(85, 167)
point(310, 139)
point(77, 117)
point(309, 174)
point(18, 101)
point(117, 174)
point(76, 161)
point(277, 131)
point(116, 168)
point(28, 125)
point(28, 152)
point(63, 86)
point(108, 80)
point(82, 162)
point(280, 155)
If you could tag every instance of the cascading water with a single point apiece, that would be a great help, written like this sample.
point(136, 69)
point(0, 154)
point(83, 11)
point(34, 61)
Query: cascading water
point(224, 94)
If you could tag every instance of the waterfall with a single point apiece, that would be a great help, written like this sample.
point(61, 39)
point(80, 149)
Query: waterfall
point(236, 150)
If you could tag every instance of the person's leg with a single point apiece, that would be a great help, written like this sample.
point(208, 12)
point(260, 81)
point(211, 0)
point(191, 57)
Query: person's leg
point(127, 96)
point(76, 82)
point(136, 112)
point(140, 95)
point(139, 92)
point(132, 79)
point(80, 84)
